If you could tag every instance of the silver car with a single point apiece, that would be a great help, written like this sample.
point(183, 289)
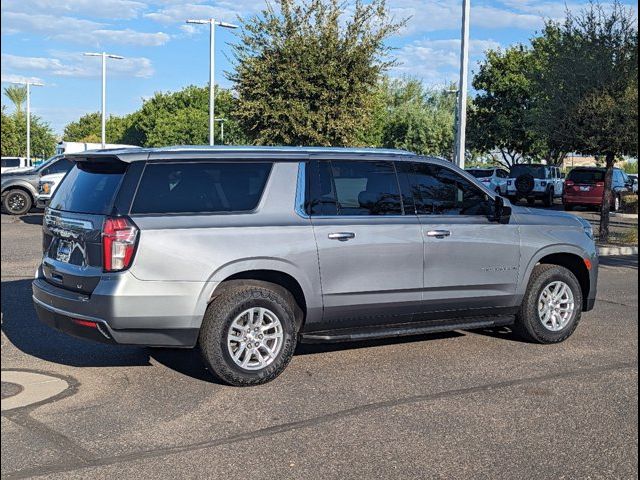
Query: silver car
point(245, 251)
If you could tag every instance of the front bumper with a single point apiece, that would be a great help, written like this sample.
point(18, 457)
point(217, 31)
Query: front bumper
point(124, 312)
point(42, 202)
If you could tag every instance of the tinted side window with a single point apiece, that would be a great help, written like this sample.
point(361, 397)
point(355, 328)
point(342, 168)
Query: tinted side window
point(347, 187)
point(440, 191)
point(366, 188)
point(200, 187)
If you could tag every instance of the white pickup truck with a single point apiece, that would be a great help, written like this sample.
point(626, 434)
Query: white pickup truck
point(10, 164)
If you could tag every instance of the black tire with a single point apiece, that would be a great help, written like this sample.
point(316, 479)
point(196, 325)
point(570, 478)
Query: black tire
point(548, 199)
point(569, 207)
point(528, 324)
point(234, 299)
point(531, 201)
point(17, 202)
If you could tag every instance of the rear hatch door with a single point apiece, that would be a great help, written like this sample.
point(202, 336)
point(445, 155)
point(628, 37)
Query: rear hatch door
point(72, 226)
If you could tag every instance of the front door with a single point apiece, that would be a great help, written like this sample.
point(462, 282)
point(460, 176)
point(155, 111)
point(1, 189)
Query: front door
point(370, 252)
point(471, 262)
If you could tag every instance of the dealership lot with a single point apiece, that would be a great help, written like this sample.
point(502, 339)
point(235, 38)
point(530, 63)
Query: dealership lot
point(465, 404)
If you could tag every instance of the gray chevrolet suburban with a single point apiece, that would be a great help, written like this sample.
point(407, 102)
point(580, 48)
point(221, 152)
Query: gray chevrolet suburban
point(245, 251)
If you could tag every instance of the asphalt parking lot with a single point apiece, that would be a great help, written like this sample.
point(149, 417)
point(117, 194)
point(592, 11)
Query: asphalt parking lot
point(461, 405)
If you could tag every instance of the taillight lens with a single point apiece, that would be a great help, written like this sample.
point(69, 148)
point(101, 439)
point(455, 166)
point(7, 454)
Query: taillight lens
point(600, 184)
point(569, 183)
point(119, 237)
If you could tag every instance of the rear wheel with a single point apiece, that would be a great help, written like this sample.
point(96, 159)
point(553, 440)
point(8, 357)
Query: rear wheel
point(569, 207)
point(548, 199)
point(552, 305)
point(17, 202)
point(248, 333)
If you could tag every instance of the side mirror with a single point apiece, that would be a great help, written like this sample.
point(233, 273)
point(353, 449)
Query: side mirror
point(502, 211)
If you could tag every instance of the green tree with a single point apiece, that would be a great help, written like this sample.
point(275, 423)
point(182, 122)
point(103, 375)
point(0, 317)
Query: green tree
point(88, 129)
point(181, 118)
point(306, 73)
point(586, 91)
point(500, 119)
point(10, 142)
point(43, 141)
point(17, 94)
point(419, 119)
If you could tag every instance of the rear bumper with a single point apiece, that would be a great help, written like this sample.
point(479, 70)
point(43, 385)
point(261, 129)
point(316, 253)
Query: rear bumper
point(581, 200)
point(125, 311)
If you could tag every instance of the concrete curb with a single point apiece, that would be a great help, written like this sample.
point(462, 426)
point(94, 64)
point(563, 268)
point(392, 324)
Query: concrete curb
point(37, 387)
point(612, 251)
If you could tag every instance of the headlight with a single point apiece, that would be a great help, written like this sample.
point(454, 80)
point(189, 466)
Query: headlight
point(45, 188)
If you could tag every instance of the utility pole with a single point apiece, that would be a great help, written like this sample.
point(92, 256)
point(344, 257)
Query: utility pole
point(104, 55)
point(463, 85)
point(28, 84)
point(212, 22)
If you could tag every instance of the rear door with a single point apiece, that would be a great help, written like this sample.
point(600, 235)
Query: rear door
point(369, 245)
point(72, 226)
point(470, 262)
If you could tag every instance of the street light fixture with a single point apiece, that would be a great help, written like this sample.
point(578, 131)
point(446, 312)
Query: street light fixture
point(104, 56)
point(28, 84)
point(212, 22)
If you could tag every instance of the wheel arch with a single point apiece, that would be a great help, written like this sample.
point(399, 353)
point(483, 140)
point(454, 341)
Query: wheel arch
point(569, 257)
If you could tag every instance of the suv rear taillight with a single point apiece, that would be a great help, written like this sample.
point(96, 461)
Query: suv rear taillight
point(569, 183)
point(119, 237)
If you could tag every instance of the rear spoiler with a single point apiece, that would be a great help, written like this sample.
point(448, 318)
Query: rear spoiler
point(127, 155)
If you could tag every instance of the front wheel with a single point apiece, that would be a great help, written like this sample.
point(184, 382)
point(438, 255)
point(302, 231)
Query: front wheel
point(248, 333)
point(552, 305)
point(17, 202)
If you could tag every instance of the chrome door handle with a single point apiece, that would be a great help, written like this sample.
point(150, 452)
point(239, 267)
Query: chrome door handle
point(342, 236)
point(438, 233)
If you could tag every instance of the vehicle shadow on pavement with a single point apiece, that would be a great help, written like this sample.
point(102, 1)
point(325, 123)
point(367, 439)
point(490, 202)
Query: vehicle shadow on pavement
point(32, 218)
point(23, 329)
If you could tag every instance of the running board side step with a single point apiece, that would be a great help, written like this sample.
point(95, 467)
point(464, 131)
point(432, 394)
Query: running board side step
point(402, 330)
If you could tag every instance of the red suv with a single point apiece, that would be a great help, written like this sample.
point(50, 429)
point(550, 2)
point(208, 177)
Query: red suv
point(584, 186)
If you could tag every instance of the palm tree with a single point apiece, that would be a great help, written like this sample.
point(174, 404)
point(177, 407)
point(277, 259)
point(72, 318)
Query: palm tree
point(17, 95)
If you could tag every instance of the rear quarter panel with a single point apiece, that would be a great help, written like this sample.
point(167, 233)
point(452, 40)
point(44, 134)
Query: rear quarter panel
point(209, 248)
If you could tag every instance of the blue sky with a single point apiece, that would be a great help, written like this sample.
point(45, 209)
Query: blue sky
point(44, 40)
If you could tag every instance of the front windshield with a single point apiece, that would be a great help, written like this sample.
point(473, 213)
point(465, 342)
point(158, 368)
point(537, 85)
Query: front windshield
point(536, 171)
point(46, 163)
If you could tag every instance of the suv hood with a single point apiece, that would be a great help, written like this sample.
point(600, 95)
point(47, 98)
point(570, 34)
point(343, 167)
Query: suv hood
point(538, 216)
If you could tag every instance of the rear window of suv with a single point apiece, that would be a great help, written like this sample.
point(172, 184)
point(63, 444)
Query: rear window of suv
point(89, 187)
point(199, 187)
point(586, 176)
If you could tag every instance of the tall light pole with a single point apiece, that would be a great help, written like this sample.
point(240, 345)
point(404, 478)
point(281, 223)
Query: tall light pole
point(463, 85)
point(212, 22)
point(104, 55)
point(28, 84)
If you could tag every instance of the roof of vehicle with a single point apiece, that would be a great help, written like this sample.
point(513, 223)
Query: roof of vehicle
point(200, 151)
point(533, 165)
point(593, 168)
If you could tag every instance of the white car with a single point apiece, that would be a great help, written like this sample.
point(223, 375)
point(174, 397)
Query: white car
point(13, 164)
point(533, 181)
point(494, 178)
point(46, 187)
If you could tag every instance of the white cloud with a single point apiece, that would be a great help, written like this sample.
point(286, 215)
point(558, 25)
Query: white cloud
point(10, 78)
point(74, 64)
point(112, 9)
point(222, 10)
point(77, 30)
point(437, 61)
